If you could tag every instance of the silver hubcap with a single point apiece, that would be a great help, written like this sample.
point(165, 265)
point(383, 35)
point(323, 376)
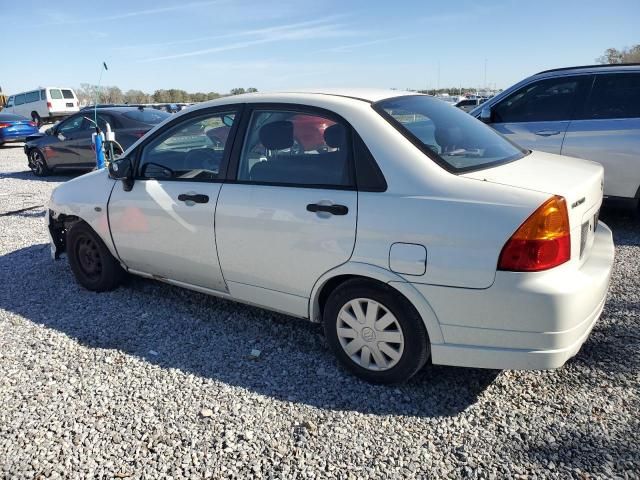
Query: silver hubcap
point(370, 334)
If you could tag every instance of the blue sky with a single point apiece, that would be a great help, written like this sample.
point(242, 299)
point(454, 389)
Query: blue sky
point(215, 45)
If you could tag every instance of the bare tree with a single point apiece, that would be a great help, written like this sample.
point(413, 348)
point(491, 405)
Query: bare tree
point(626, 55)
point(136, 96)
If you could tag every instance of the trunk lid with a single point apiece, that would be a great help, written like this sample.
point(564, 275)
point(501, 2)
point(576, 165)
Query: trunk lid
point(579, 181)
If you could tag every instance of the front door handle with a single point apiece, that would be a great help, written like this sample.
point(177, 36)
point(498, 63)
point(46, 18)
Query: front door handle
point(193, 197)
point(332, 209)
point(547, 133)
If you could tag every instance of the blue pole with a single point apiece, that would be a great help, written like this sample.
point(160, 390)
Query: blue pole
point(99, 151)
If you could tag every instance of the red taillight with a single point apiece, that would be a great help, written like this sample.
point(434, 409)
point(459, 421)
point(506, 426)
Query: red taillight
point(49, 105)
point(5, 125)
point(542, 242)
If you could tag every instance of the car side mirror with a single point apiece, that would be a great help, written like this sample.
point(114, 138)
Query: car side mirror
point(122, 169)
point(485, 115)
point(48, 131)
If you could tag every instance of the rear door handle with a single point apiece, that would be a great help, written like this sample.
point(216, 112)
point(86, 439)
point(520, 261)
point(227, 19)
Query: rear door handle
point(547, 133)
point(332, 209)
point(193, 197)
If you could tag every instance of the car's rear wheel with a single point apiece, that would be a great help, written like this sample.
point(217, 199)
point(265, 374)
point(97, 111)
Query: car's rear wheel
point(38, 164)
point(91, 262)
point(375, 332)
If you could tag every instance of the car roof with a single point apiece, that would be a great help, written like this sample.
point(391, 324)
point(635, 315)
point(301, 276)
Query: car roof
point(116, 108)
point(592, 68)
point(300, 95)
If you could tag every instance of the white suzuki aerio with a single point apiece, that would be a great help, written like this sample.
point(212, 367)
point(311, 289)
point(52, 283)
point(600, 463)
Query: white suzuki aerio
point(410, 229)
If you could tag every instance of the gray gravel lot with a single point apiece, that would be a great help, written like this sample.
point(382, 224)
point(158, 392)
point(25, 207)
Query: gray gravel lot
point(153, 381)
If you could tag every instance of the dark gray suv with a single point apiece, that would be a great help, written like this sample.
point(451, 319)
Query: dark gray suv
point(590, 112)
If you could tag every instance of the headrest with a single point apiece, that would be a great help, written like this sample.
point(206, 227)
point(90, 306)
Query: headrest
point(449, 137)
point(277, 135)
point(335, 136)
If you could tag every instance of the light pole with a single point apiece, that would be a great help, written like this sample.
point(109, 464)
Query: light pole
point(485, 74)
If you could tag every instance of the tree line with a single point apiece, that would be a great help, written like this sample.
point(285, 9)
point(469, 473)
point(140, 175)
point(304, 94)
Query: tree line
point(111, 94)
point(625, 55)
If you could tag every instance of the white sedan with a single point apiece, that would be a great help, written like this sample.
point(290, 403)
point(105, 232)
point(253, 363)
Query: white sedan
point(411, 230)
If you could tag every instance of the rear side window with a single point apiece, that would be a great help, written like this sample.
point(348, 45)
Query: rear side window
point(43, 94)
point(614, 96)
point(544, 100)
point(20, 99)
point(293, 148)
point(32, 97)
point(68, 94)
point(55, 94)
point(148, 116)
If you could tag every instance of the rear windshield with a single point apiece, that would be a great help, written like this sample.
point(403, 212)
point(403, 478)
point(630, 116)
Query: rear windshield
point(55, 94)
point(454, 139)
point(10, 117)
point(149, 116)
point(67, 94)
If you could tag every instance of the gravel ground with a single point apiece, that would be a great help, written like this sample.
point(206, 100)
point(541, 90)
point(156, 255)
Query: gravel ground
point(153, 381)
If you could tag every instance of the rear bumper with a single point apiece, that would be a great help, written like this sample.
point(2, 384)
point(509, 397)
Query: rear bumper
point(523, 321)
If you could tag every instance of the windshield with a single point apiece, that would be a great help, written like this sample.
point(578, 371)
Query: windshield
point(454, 139)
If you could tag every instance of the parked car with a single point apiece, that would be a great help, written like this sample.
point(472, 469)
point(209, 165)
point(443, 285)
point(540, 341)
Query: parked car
point(15, 128)
point(414, 233)
point(68, 144)
point(590, 112)
point(468, 104)
point(46, 104)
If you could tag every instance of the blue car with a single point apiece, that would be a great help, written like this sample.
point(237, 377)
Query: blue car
point(15, 128)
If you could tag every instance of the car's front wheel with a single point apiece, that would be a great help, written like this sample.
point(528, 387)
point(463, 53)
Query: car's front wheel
point(375, 332)
point(91, 261)
point(38, 164)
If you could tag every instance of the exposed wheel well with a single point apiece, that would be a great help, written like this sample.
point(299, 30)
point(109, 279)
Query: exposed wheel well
point(336, 281)
point(58, 227)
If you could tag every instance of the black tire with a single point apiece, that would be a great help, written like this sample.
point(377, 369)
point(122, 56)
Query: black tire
point(91, 262)
point(416, 349)
point(36, 118)
point(38, 163)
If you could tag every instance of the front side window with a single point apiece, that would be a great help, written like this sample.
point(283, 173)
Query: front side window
point(193, 150)
point(10, 102)
point(20, 99)
point(614, 96)
point(55, 94)
point(451, 137)
point(542, 101)
point(294, 148)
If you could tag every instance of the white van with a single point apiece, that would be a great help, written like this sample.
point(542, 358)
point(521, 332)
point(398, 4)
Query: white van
point(46, 104)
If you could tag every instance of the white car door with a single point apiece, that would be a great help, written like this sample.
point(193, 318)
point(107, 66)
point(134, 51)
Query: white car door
point(290, 213)
point(537, 115)
point(164, 226)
